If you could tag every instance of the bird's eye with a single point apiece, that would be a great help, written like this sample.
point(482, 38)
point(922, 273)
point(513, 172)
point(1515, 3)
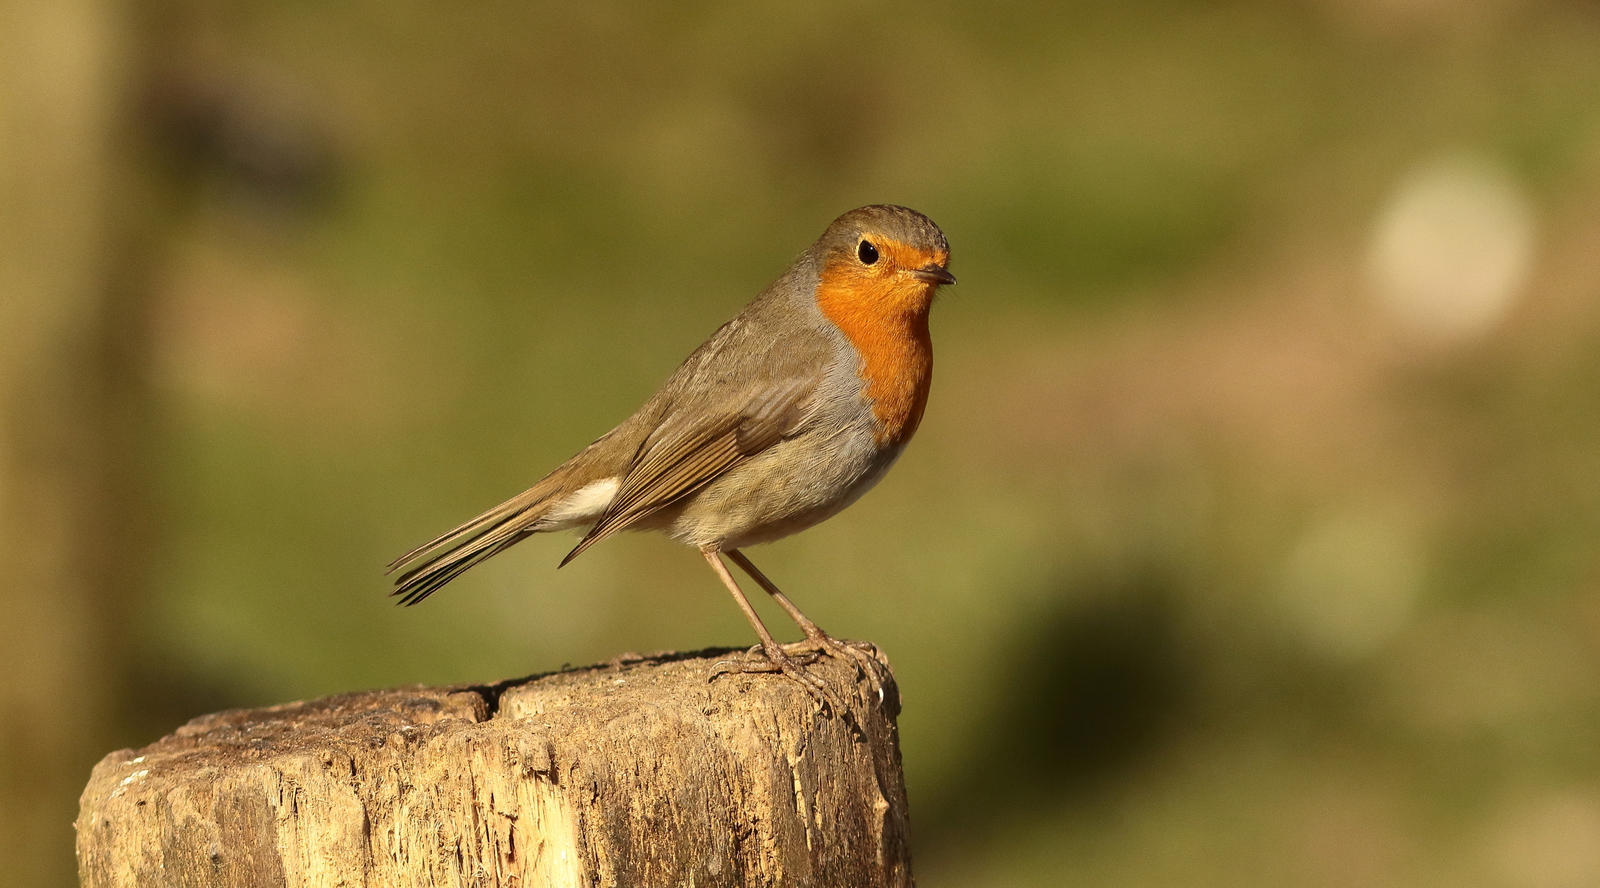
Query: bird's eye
point(867, 252)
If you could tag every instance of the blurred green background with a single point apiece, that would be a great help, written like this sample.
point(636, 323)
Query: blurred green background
point(1250, 538)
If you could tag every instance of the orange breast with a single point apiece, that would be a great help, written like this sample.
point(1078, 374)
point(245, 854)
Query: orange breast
point(885, 317)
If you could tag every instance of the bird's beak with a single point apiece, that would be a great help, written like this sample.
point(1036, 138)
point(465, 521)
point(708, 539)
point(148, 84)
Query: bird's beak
point(933, 274)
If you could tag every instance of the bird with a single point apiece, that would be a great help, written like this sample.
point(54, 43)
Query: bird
point(786, 415)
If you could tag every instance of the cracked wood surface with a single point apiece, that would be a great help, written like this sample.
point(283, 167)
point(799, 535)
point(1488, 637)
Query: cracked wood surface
point(634, 773)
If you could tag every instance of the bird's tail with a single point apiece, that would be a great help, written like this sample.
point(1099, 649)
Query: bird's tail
point(427, 568)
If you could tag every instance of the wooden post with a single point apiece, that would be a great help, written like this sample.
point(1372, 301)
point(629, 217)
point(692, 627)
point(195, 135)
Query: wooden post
point(636, 773)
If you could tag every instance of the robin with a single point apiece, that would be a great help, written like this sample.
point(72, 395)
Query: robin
point(786, 415)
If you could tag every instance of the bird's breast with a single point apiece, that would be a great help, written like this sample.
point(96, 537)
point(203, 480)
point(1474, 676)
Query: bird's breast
point(890, 335)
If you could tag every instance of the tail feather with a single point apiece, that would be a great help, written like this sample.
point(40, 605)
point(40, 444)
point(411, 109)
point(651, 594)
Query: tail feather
point(494, 516)
point(419, 584)
point(432, 565)
point(427, 568)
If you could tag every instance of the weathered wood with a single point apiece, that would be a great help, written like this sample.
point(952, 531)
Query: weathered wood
point(635, 773)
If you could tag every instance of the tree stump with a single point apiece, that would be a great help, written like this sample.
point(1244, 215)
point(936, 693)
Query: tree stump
point(640, 772)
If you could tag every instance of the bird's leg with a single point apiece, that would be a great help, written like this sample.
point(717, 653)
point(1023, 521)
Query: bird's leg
point(778, 659)
point(865, 653)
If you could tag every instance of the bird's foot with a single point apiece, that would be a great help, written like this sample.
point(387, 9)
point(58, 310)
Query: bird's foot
point(870, 661)
point(776, 658)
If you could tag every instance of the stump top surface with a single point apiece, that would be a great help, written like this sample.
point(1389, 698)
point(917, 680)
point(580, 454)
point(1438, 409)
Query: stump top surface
point(638, 771)
point(672, 685)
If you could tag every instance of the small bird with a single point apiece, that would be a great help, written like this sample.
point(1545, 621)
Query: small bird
point(785, 416)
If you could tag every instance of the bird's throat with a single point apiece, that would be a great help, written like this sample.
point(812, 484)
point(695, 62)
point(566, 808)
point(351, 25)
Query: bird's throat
point(887, 322)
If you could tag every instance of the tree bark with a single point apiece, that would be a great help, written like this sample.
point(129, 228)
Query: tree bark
point(635, 773)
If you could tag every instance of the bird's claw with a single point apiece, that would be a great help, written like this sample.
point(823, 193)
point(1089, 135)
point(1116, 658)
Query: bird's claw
point(870, 661)
point(761, 659)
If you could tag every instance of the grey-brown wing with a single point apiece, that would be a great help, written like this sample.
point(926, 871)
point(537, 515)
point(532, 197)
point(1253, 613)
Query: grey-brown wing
point(681, 457)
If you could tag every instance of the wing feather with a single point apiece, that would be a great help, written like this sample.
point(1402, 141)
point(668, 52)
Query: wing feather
point(681, 458)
